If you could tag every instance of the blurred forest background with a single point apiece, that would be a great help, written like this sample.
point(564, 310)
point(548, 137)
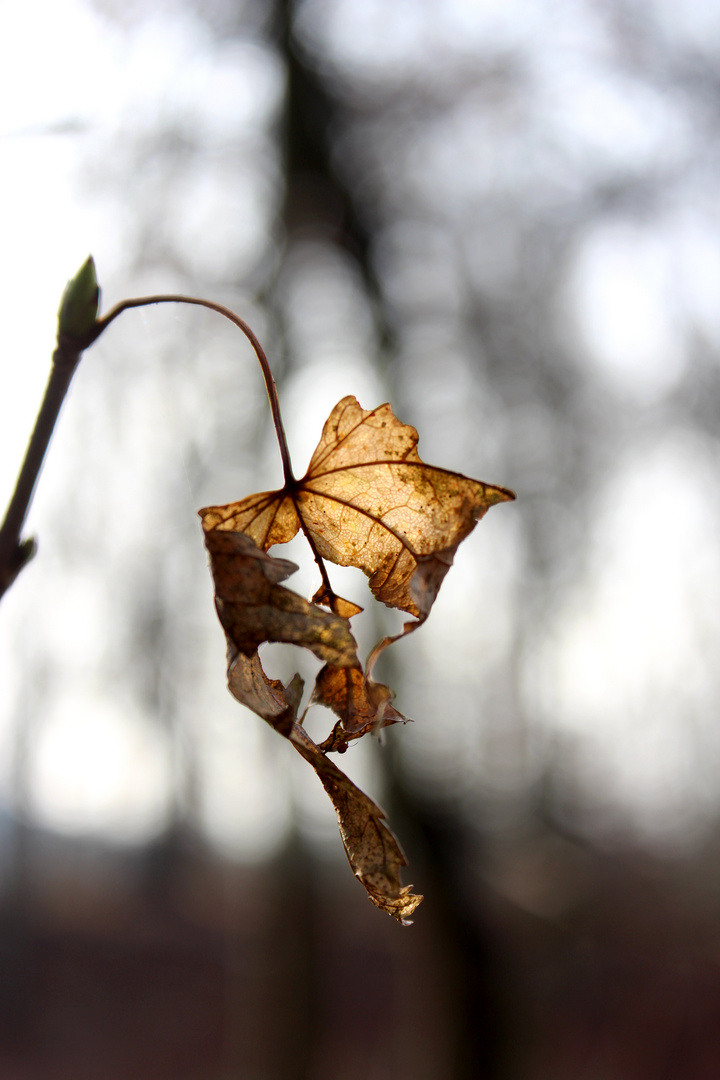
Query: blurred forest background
point(504, 217)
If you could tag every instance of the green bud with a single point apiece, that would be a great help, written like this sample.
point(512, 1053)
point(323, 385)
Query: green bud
point(80, 302)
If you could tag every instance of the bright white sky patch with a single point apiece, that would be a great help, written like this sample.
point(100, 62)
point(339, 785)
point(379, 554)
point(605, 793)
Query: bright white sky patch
point(58, 64)
point(624, 295)
point(695, 23)
point(96, 769)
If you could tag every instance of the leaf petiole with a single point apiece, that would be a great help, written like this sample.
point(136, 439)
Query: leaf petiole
point(172, 298)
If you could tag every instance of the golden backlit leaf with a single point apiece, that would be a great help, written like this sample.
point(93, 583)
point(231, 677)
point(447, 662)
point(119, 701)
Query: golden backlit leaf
point(268, 518)
point(374, 854)
point(367, 500)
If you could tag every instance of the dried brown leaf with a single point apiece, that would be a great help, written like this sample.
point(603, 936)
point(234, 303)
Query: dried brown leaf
point(254, 608)
point(367, 500)
point(328, 598)
point(374, 854)
point(268, 698)
point(362, 704)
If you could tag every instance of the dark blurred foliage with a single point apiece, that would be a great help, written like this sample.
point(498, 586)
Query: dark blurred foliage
point(403, 196)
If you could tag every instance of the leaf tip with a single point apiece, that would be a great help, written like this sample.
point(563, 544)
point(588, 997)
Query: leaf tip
point(502, 494)
point(401, 907)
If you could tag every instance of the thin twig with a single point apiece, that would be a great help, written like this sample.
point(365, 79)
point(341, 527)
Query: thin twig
point(14, 554)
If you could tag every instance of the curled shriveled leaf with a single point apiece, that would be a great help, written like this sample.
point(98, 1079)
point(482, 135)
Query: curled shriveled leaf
point(277, 704)
point(254, 608)
point(346, 608)
point(362, 704)
point(374, 854)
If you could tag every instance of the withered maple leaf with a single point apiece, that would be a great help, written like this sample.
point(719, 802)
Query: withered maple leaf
point(367, 500)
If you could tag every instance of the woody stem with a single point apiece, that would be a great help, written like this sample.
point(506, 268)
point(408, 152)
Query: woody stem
point(14, 554)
